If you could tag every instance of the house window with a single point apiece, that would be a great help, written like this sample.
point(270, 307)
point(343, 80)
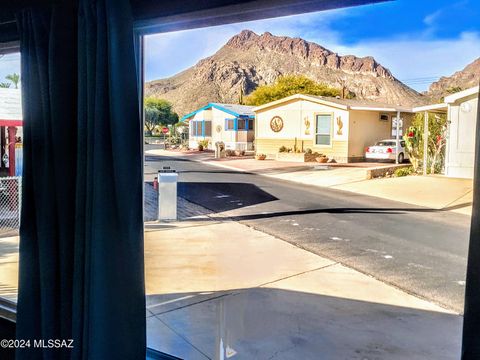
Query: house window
point(207, 128)
point(196, 128)
point(323, 129)
point(229, 124)
point(239, 124)
point(201, 128)
point(242, 124)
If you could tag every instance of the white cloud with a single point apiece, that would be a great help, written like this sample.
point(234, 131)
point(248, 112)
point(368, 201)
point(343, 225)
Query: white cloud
point(410, 58)
point(430, 19)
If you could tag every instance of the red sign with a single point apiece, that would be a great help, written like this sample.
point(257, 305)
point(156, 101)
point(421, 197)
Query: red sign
point(165, 130)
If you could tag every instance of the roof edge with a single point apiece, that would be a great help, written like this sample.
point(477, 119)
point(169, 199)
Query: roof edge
point(461, 94)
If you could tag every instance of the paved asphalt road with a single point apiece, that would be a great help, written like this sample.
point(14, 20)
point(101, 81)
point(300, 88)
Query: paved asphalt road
point(422, 251)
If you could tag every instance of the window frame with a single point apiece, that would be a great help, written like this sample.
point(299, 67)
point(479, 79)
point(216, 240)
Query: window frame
point(194, 128)
point(316, 133)
point(233, 121)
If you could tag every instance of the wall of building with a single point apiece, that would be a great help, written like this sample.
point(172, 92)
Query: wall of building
point(299, 127)
point(460, 152)
point(199, 116)
point(235, 140)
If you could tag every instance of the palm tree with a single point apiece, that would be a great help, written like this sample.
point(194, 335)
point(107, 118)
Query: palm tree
point(14, 78)
point(5, 85)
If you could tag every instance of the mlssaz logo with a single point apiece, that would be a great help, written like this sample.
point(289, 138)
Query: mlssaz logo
point(53, 343)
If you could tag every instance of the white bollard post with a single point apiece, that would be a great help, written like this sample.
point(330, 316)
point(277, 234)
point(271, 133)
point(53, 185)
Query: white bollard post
point(167, 194)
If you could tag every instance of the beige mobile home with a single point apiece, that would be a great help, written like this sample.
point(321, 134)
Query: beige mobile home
point(338, 128)
point(231, 124)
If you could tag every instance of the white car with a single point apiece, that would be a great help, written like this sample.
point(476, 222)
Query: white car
point(387, 150)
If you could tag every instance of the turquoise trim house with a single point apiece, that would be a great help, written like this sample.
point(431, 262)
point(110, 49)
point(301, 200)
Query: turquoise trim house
point(232, 124)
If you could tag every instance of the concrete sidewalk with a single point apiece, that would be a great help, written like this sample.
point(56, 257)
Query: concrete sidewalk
point(213, 285)
point(436, 191)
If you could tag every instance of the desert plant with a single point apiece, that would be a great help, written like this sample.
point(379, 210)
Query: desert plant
point(308, 151)
point(437, 134)
point(413, 142)
point(173, 140)
point(14, 78)
point(404, 171)
point(204, 143)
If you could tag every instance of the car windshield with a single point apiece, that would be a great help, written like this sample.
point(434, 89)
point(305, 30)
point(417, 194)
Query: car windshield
point(385, 143)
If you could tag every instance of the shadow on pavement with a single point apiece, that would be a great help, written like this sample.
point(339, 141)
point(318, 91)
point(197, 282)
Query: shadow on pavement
point(264, 323)
point(220, 197)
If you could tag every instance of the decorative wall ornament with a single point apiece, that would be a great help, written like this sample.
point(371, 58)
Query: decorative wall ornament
point(276, 124)
point(340, 125)
point(307, 125)
point(218, 128)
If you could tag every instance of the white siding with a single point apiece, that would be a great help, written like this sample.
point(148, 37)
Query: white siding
point(460, 152)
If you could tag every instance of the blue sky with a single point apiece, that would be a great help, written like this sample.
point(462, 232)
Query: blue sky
point(418, 41)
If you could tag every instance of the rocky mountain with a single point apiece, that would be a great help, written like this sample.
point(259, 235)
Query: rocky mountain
point(461, 80)
point(248, 60)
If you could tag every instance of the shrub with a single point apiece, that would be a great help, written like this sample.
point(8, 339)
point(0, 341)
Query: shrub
point(229, 152)
point(308, 151)
point(404, 171)
point(282, 149)
point(203, 144)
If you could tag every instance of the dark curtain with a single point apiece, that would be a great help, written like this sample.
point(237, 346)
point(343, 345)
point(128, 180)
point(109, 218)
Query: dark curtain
point(81, 238)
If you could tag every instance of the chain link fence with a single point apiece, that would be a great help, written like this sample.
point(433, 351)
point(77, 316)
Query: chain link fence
point(10, 203)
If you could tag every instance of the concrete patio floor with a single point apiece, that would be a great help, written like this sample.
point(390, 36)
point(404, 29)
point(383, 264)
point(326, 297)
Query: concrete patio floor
point(222, 285)
point(215, 285)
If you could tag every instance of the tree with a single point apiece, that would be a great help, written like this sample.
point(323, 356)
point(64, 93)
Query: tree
point(289, 85)
point(5, 85)
point(437, 137)
point(158, 112)
point(14, 78)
